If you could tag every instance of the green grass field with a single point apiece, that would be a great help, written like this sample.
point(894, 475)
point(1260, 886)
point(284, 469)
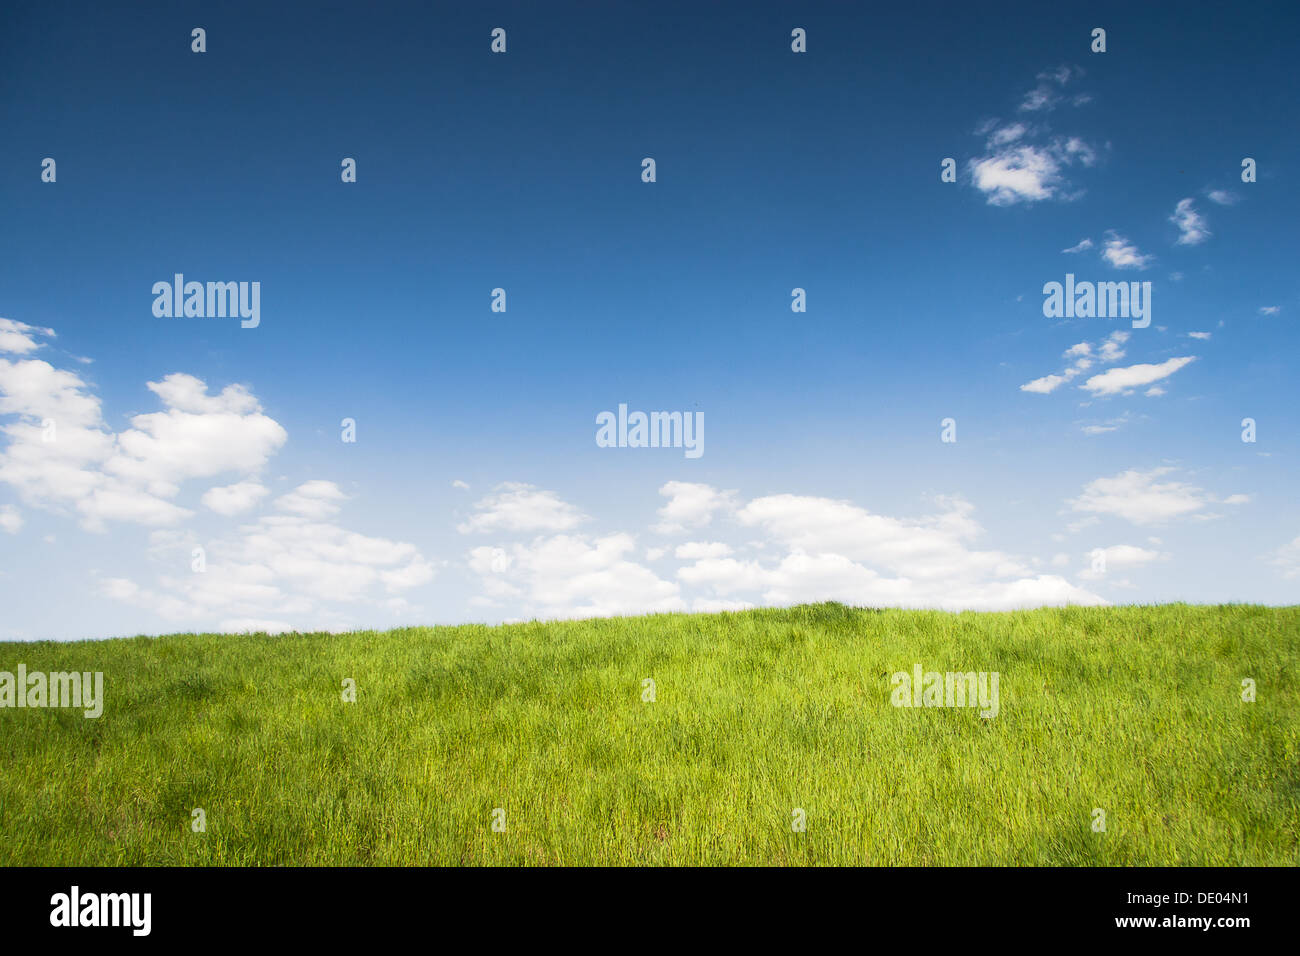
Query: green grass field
point(1137, 711)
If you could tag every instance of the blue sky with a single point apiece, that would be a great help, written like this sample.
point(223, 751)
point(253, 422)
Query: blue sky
point(475, 489)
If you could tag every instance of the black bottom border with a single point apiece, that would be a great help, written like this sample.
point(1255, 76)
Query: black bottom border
point(977, 905)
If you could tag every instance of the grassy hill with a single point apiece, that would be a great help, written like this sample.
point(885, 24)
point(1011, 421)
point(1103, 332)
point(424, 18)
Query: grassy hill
point(1136, 711)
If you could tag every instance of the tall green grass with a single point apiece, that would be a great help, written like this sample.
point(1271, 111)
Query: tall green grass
point(1136, 711)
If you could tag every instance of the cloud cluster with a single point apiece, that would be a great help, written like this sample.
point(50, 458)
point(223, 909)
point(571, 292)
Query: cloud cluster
point(283, 572)
point(796, 548)
point(1024, 162)
point(1082, 356)
point(290, 569)
point(62, 456)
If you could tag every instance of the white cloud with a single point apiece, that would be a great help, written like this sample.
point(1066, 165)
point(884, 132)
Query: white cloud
point(1138, 497)
point(820, 549)
point(463, 486)
point(234, 499)
point(281, 569)
point(1112, 349)
point(1122, 254)
point(573, 576)
point(1082, 354)
point(1083, 245)
point(1199, 335)
point(61, 455)
point(1116, 380)
point(1014, 168)
point(1192, 227)
point(1018, 174)
point(521, 507)
point(1222, 197)
point(312, 499)
point(691, 505)
point(1044, 385)
point(1269, 310)
point(19, 338)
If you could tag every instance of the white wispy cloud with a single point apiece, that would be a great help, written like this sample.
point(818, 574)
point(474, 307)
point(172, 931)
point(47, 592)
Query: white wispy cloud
point(1192, 228)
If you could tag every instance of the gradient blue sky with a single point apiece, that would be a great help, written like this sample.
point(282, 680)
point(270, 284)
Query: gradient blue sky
point(823, 474)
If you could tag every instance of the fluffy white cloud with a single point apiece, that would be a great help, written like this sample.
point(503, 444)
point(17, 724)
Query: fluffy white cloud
point(1083, 245)
point(1116, 380)
point(234, 499)
point(1016, 174)
point(19, 338)
point(61, 455)
point(521, 507)
point(573, 576)
point(1138, 497)
point(282, 572)
point(199, 436)
point(1222, 197)
point(1122, 254)
point(288, 569)
point(691, 505)
point(815, 549)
